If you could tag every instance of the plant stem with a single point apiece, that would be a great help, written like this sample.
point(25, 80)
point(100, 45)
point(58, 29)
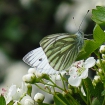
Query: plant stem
point(82, 97)
point(63, 82)
point(55, 85)
point(43, 89)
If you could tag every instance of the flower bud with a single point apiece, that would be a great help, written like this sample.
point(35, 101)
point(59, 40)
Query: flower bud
point(103, 56)
point(100, 70)
point(64, 93)
point(98, 63)
point(103, 61)
point(39, 75)
point(29, 78)
point(96, 80)
point(102, 49)
point(39, 97)
point(27, 100)
point(35, 72)
point(93, 82)
point(70, 91)
point(31, 71)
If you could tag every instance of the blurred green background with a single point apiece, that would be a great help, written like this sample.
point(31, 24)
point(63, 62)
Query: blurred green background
point(23, 23)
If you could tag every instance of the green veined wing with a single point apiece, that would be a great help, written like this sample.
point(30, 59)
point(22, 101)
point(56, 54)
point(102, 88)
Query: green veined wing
point(62, 49)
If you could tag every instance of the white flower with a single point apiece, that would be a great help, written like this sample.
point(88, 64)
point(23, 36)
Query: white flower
point(27, 100)
point(39, 97)
point(15, 93)
point(79, 71)
point(11, 93)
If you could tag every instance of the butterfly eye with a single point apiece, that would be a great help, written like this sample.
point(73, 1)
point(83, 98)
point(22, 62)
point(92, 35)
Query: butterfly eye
point(40, 59)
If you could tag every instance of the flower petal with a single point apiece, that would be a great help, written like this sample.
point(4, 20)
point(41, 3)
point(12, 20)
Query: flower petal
point(84, 74)
point(82, 90)
point(90, 62)
point(72, 71)
point(74, 81)
point(12, 90)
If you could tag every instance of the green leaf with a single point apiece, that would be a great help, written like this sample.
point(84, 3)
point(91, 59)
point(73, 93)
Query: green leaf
point(60, 100)
point(98, 35)
point(91, 45)
point(96, 102)
point(79, 99)
point(103, 93)
point(2, 100)
point(94, 92)
point(88, 86)
point(98, 14)
point(98, 90)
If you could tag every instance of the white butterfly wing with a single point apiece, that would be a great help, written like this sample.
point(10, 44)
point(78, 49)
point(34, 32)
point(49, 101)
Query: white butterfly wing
point(37, 59)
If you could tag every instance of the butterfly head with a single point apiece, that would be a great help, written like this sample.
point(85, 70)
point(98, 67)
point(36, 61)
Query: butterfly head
point(80, 33)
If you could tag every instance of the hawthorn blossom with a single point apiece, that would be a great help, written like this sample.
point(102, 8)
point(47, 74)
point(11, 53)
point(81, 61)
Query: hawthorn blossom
point(79, 71)
point(15, 93)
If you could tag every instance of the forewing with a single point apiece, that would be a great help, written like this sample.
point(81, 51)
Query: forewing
point(61, 50)
point(37, 59)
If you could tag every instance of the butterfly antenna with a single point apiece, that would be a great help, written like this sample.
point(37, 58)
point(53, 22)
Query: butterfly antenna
point(83, 19)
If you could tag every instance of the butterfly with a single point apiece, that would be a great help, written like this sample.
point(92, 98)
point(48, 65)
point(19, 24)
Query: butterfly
point(57, 52)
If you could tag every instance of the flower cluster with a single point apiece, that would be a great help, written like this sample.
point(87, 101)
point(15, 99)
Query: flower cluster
point(21, 96)
point(100, 66)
